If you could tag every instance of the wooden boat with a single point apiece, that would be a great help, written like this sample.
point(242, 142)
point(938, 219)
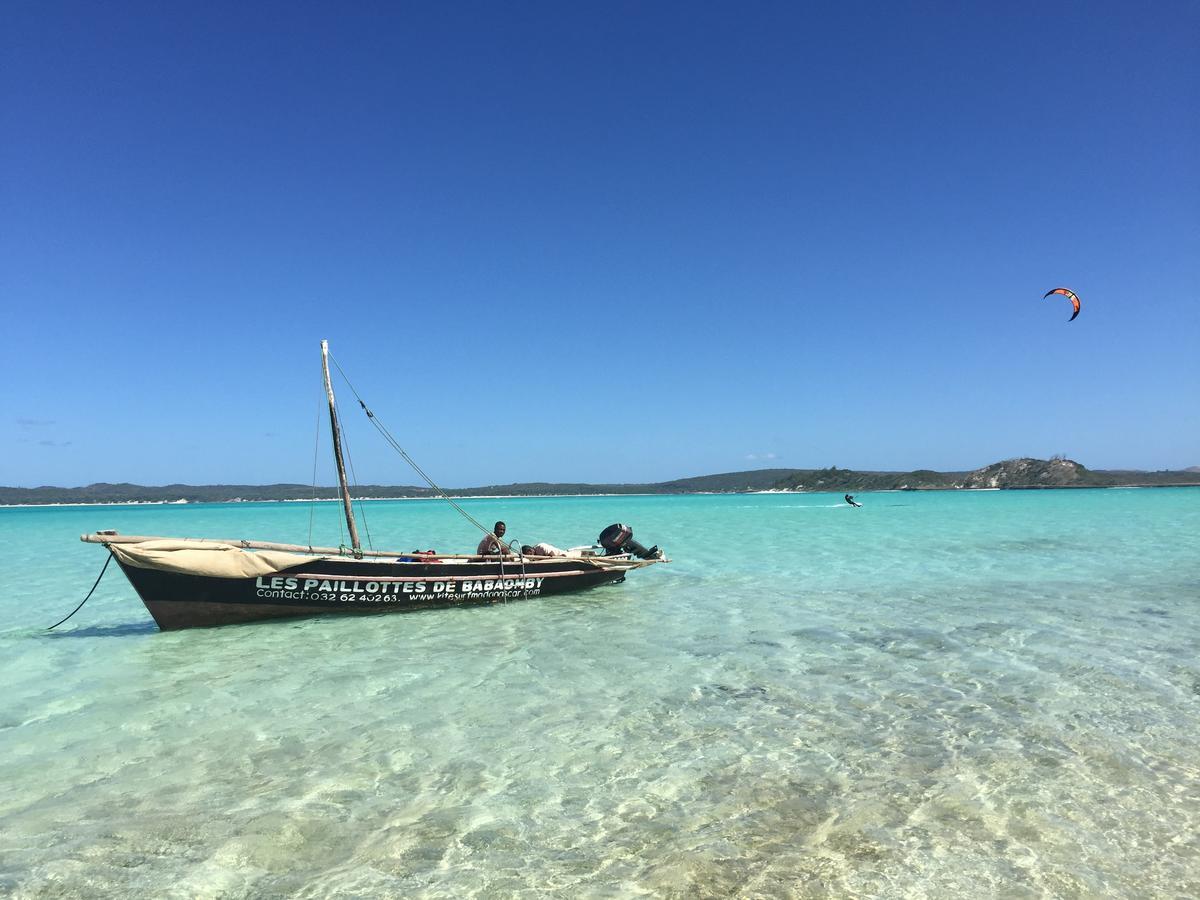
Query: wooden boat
point(189, 583)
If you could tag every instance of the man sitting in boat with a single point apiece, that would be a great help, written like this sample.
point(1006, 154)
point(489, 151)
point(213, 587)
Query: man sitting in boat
point(490, 545)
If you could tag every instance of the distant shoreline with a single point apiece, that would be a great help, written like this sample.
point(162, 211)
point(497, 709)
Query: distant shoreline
point(1025, 473)
point(356, 499)
point(920, 490)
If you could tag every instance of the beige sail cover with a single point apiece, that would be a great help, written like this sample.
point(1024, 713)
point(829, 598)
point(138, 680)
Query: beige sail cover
point(207, 558)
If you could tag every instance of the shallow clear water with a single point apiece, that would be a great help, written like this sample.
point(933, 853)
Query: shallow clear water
point(967, 694)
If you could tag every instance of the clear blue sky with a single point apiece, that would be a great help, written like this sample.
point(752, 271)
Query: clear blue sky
point(596, 242)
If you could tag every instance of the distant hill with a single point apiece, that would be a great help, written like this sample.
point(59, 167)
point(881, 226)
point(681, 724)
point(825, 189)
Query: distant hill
point(1011, 474)
point(1025, 473)
point(756, 480)
point(850, 481)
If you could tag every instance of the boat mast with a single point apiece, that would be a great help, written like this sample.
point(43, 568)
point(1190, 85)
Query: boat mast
point(337, 450)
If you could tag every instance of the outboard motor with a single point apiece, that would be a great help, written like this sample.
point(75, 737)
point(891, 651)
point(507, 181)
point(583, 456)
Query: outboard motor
point(618, 538)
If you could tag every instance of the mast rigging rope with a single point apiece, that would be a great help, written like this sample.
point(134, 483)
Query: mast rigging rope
point(362, 513)
point(312, 505)
point(387, 436)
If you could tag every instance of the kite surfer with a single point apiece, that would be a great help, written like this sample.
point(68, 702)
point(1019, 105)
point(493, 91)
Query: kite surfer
point(851, 501)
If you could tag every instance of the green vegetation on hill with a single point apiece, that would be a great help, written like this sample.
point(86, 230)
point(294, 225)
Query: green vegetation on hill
point(849, 481)
point(754, 480)
point(1011, 474)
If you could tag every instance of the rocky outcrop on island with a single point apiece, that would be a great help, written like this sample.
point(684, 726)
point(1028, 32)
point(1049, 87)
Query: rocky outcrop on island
point(1027, 472)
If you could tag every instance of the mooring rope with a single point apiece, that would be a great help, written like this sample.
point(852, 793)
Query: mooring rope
point(387, 436)
point(89, 594)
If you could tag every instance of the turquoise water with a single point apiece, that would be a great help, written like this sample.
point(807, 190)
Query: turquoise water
point(967, 694)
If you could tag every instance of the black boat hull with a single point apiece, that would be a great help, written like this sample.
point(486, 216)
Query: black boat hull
point(352, 587)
